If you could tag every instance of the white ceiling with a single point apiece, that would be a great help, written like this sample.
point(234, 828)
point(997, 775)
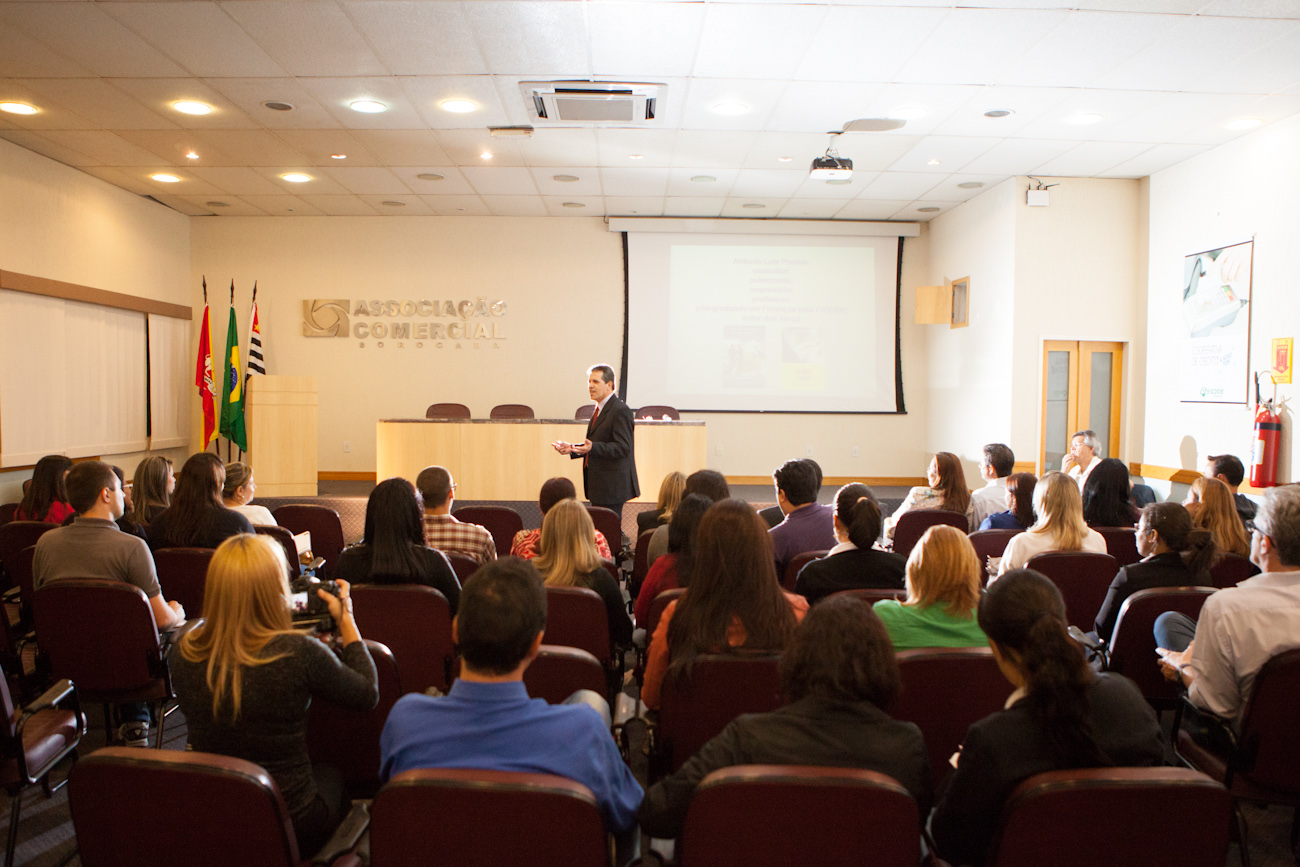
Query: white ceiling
point(1166, 75)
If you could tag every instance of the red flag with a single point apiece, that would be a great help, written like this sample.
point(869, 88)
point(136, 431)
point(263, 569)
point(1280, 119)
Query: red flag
point(203, 379)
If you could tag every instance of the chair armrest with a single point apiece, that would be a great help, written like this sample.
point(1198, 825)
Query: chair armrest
point(172, 637)
point(1096, 647)
point(50, 697)
point(346, 836)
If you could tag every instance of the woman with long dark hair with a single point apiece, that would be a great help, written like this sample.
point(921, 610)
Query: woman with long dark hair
point(1020, 505)
point(855, 562)
point(152, 487)
point(47, 498)
point(197, 518)
point(1060, 716)
point(946, 490)
point(673, 569)
point(734, 599)
point(1105, 496)
point(392, 549)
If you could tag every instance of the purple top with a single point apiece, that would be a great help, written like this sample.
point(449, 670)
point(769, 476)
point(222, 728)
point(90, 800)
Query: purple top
point(810, 528)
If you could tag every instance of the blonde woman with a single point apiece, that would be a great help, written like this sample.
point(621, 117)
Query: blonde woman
point(238, 492)
point(943, 591)
point(567, 558)
point(947, 490)
point(670, 494)
point(1060, 525)
point(1217, 512)
point(245, 678)
point(151, 488)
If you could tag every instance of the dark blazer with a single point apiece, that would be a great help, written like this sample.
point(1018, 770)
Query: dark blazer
point(647, 520)
point(1003, 750)
point(1162, 570)
point(811, 731)
point(772, 515)
point(609, 476)
point(356, 567)
point(851, 570)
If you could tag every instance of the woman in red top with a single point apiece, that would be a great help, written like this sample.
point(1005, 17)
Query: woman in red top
point(673, 569)
point(47, 499)
point(525, 543)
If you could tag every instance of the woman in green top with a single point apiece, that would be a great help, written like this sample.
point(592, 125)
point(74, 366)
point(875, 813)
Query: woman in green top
point(943, 591)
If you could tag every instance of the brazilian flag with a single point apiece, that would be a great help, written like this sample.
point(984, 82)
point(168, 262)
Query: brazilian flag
point(232, 391)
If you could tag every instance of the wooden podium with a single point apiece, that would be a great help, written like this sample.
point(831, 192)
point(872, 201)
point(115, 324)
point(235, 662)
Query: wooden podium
point(281, 422)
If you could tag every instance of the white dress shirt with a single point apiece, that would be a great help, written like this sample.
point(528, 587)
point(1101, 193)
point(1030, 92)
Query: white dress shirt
point(987, 500)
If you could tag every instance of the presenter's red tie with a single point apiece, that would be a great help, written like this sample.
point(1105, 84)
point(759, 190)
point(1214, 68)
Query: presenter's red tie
point(590, 425)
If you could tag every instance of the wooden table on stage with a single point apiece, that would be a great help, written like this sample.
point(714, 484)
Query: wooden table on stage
point(508, 459)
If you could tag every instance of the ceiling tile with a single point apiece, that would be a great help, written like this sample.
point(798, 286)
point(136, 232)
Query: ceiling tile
point(185, 204)
point(1158, 158)
point(515, 206)
point(398, 206)
point(98, 102)
point(500, 180)
point(1267, 69)
point(938, 102)
point(362, 180)
point(201, 37)
point(750, 41)
point(42, 144)
point(972, 46)
point(318, 185)
point(173, 144)
point(634, 206)
point(234, 207)
point(871, 152)
point(129, 181)
point(419, 38)
point(158, 94)
point(318, 145)
point(901, 185)
point(306, 38)
point(1085, 47)
point(592, 206)
point(836, 52)
point(283, 206)
point(86, 32)
point(1090, 159)
point(1016, 156)
point(768, 148)
point(527, 37)
point(426, 95)
point(22, 55)
point(952, 152)
point(654, 145)
point(912, 210)
point(237, 180)
point(814, 209)
point(338, 94)
point(809, 105)
point(1115, 107)
point(680, 184)
point(811, 189)
point(769, 207)
point(52, 115)
point(1027, 103)
point(1253, 8)
point(188, 185)
point(867, 209)
point(768, 183)
point(403, 147)
point(250, 94)
point(725, 148)
point(452, 183)
point(457, 206)
point(587, 183)
point(651, 40)
point(693, 206)
point(251, 147)
point(465, 147)
point(1172, 116)
point(634, 182)
point(561, 147)
point(948, 190)
point(105, 147)
point(1212, 130)
point(703, 94)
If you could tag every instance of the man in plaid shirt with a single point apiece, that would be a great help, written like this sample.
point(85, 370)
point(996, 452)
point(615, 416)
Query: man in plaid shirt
point(441, 530)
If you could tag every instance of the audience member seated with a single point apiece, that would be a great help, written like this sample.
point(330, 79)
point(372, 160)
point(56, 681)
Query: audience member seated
point(553, 491)
point(1174, 554)
point(734, 600)
point(151, 488)
point(245, 678)
point(673, 569)
point(197, 518)
point(568, 558)
point(1242, 627)
point(392, 549)
point(1060, 716)
point(1019, 514)
point(238, 491)
point(854, 562)
point(773, 515)
point(441, 530)
point(947, 490)
point(1106, 496)
point(1083, 456)
point(488, 722)
point(943, 589)
point(708, 483)
point(126, 523)
point(670, 494)
point(1228, 469)
point(1059, 525)
point(996, 465)
point(46, 499)
point(1212, 508)
point(94, 547)
point(808, 525)
point(838, 674)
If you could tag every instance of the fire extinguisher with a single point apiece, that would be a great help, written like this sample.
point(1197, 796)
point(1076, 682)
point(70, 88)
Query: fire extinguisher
point(1263, 453)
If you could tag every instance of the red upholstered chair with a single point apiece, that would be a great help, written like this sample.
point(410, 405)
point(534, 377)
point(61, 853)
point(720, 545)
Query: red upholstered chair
point(575, 617)
point(558, 672)
point(447, 410)
point(657, 606)
point(991, 543)
point(945, 689)
point(511, 410)
point(1231, 569)
point(475, 818)
point(462, 565)
point(585, 412)
point(657, 412)
point(201, 809)
point(14, 537)
point(796, 563)
point(1121, 543)
point(913, 524)
point(25, 580)
point(611, 526)
point(414, 623)
point(183, 575)
point(1083, 818)
point(640, 563)
point(1131, 649)
point(872, 595)
point(1083, 579)
point(323, 523)
point(7, 512)
point(285, 538)
point(741, 817)
point(348, 739)
point(500, 521)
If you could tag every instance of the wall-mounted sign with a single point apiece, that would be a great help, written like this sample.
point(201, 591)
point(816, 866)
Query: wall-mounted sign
point(1214, 362)
point(1281, 356)
point(437, 324)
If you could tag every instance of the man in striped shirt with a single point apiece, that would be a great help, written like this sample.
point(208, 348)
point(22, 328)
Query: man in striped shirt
point(441, 530)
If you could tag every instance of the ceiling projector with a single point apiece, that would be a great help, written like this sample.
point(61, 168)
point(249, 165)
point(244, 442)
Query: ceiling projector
point(831, 168)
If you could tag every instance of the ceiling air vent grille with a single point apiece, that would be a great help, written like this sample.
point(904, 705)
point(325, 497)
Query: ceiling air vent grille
point(605, 103)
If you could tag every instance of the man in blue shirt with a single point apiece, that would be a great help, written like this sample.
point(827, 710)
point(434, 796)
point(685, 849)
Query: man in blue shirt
point(488, 722)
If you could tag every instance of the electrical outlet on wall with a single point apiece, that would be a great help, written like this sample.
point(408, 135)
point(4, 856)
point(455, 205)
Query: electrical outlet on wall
point(853, 452)
point(347, 446)
point(810, 451)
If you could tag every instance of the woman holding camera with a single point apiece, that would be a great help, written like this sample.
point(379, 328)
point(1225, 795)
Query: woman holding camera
point(244, 679)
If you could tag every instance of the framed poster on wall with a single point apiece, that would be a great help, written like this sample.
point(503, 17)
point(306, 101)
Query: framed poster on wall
point(1214, 356)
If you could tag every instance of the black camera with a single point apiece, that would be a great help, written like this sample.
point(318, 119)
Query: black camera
point(306, 606)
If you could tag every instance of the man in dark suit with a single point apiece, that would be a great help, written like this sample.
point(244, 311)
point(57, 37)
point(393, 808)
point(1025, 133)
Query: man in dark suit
point(608, 462)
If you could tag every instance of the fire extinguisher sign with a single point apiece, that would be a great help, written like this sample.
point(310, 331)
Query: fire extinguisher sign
point(1281, 358)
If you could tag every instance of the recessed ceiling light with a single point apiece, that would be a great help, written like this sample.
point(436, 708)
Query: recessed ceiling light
point(217, 204)
point(909, 112)
point(784, 159)
point(999, 112)
point(368, 106)
point(565, 179)
point(296, 178)
point(458, 106)
point(165, 179)
point(753, 206)
point(1086, 119)
point(932, 162)
point(486, 155)
point(573, 205)
point(840, 182)
point(189, 106)
point(276, 105)
point(18, 108)
point(636, 156)
point(927, 210)
point(970, 185)
point(429, 176)
point(191, 156)
point(338, 156)
point(394, 204)
point(730, 108)
point(1243, 123)
point(704, 179)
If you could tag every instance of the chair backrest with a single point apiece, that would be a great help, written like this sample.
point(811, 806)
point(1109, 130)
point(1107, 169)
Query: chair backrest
point(1267, 736)
point(1083, 579)
point(7, 512)
point(463, 565)
point(1121, 543)
point(721, 687)
point(742, 816)
point(511, 410)
point(323, 523)
point(945, 689)
point(913, 524)
point(797, 562)
point(657, 606)
point(1083, 818)
point(347, 738)
point(101, 635)
point(657, 412)
point(1230, 569)
point(610, 526)
point(585, 412)
point(14, 537)
point(575, 617)
point(183, 575)
point(640, 562)
point(24, 578)
point(447, 410)
point(202, 809)
point(1133, 644)
point(502, 522)
point(285, 538)
point(872, 595)
point(414, 623)
point(558, 672)
point(991, 543)
point(484, 819)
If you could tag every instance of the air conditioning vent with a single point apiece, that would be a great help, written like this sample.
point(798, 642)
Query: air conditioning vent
point(598, 103)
